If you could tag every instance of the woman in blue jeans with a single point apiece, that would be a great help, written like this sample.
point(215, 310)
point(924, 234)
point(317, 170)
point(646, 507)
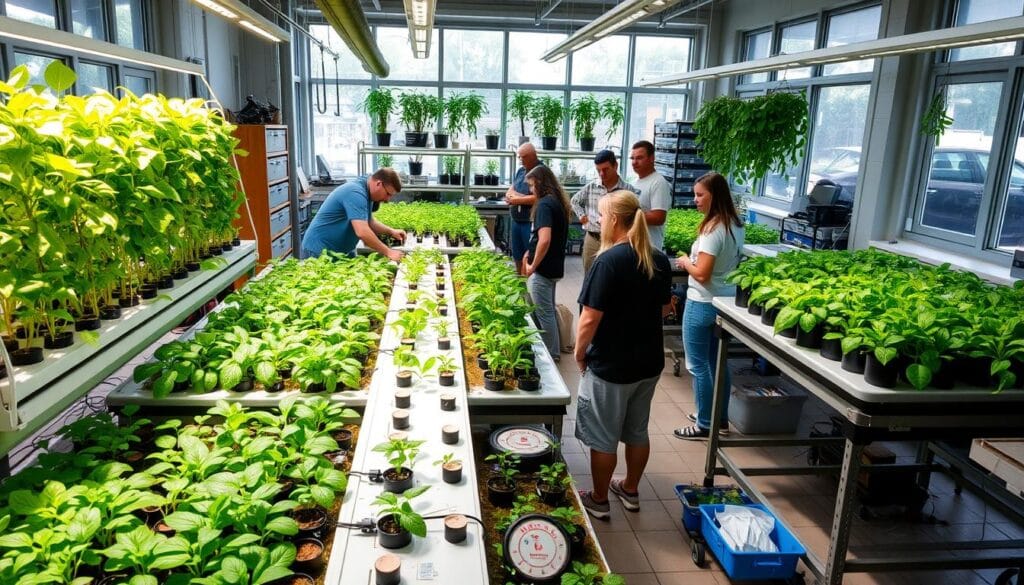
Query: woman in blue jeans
point(715, 253)
point(544, 260)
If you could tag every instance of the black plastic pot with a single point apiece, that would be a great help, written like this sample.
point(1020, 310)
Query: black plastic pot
point(179, 274)
point(450, 434)
point(548, 142)
point(236, 241)
point(457, 179)
point(742, 297)
point(853, 362)
point(166, 282)
point(451, 472)
point(755, 308)
point(446, 378)
point(343, 437)
point(10, 344)
point(314, 388)
point(227, 247)
point(444, 343)
point(397, 482)
point(403, 379)
point(447, 402)
point(586, 144)
point(831, 349)
point(769, 315)
point(478, 179)
point(192, 266)
point(444, 179)
point(577, 541)
point(387, 570)
point(945, 378)
point(110, 312)
point(530, 383)
point(403, 399)
point(500, 493)
point(393, 539)
point(87, 323)
point(976, 372)
point(443, 309)
point(312, 522)
point(26, 356)
point(416, 139)
point(492, 383)
point(878, 375)
point(810, 339)
point(112, 579)
point(400, 419)
point(284, 373)
point(481, 362)
point(383, 138)
point(455, 528)
point(275, 387)
point(550, 497)
point(59, 341)
point(244, 386)
point(491, 141)
point(492, 180)
point(147, 291)
point(216, 250)
point(128, 301)
point(440, 140)
point(415, 168)
point(309, 555)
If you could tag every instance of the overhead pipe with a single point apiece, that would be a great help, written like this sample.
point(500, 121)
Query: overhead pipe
point(347, 18)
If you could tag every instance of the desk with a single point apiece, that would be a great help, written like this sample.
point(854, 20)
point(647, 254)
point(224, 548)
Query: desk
point(869, 413)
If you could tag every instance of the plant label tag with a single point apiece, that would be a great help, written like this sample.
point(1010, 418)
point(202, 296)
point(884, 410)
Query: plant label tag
point(425, 572)
point(1017, 267)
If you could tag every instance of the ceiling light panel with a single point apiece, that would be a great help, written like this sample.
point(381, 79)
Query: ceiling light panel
point(252, 21)
point(419, 15)
point(619, 17)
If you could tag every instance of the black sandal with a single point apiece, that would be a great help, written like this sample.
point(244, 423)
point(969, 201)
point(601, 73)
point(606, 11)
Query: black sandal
point(691, 432)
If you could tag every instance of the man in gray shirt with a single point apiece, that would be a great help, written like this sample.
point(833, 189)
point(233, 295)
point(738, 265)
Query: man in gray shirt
point(584, 202)
point(654, 191)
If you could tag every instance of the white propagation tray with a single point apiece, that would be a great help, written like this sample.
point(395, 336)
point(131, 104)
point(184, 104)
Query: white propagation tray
point(44, 389)
point(432, 558)
point(440, 243)
point(1004, 458)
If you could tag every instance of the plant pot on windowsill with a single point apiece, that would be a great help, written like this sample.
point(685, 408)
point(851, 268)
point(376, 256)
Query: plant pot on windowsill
point(440, 140)
point(456, 179)
point(416, 140)
point(548, 142)
point(500, 493)
point(397, 481)
point(383, 138)
point(478, 179)
point(492, 180)
point(491, 141)
point(451, 472)
point(444, 179)
point(415, 168)
point(586, 144)
point(390, 533)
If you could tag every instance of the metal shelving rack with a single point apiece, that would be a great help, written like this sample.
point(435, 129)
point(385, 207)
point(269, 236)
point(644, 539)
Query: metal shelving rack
point(677, 158)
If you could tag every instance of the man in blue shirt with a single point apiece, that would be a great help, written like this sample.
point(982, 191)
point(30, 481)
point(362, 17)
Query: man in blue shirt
point(520, 203)
point(346, 217)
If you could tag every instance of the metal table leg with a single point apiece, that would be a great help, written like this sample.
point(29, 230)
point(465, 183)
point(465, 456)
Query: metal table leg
point(717, 403)
point(840, 538)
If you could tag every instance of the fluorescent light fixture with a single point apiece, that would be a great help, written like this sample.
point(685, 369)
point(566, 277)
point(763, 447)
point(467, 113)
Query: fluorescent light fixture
point(247, 18)
point(33, 33)
point(980, 33)
point(420, 17)
point(623, 15)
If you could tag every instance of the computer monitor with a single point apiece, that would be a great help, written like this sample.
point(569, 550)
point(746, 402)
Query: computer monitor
point(322, 168)
point(824, 192)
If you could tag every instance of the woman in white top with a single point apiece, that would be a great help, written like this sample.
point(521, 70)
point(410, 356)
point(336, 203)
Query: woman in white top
point(715, 253)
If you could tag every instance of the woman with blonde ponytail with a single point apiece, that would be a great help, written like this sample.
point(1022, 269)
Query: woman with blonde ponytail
point(619, 349)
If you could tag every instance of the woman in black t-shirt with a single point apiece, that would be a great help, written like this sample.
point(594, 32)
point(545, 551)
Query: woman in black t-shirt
point(619, 350)
point(544, 261)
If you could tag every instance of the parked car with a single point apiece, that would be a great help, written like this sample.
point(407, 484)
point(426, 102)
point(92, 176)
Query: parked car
point(953, 195)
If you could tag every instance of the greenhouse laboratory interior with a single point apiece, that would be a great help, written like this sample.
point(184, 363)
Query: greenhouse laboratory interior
point(696, 292)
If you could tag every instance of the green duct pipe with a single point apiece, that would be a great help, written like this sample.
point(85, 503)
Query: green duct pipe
point(347, 18)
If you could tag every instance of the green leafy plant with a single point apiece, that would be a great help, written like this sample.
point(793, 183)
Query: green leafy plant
point(385, 160)
point(520, 105)
point(379, 104)
point(935, 121)
point(508, 465)
point(491, 167)
point(446, 459)
point(436, 108)
point(407, 361)
point(590, 574)
point(523, 505)
point(399, 452)
point(446, 364)
point(415, 110)
point(554, 476)
point(548, 113)
point(473, 108)
point(614, 113)
point(451, 165)
point(585, 112)
point(400, 508)
point(569, 518)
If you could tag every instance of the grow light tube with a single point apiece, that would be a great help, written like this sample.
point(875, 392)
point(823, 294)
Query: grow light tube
point(619, 17)
point(247, 18)
point(980, 33)
point(420, 16)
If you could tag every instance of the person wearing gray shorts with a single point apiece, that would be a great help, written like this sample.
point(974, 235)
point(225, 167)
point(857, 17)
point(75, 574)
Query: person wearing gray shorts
point(619, 350)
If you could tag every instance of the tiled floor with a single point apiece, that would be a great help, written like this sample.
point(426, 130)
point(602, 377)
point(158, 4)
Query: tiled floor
point(651, 547)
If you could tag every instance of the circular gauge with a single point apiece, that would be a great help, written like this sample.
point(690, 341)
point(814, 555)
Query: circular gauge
point(537, 548)
point(525, 441)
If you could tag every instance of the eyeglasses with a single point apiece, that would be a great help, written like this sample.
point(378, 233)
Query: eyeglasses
point(387, 190)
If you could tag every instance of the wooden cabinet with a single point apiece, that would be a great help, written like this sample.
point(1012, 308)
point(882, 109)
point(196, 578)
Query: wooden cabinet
point(265, 177)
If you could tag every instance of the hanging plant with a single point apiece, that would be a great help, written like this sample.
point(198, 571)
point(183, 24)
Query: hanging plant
point(935, 121)
point(747, 139)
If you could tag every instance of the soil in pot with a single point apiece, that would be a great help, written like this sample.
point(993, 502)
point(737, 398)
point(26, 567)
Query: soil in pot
point(447, 402)
point(446, 378)
point(59, 341)
point(500, 493)
point(397, 481)
point(400, 419)
point(853, 362)
point(312, 522)
point(529, 382)
point(878, 375)
point(493, 383)
point(338, 459)
point(551, 496)
point(831, 349)
point(450, 434)
point(295, 579)
point(309, 553)
point(129, 301)
point(810, 339)
point(455, 528)
point(403, 399)
point(390, 534)
point(451, 472)
point(26, 356)
point(343, 437)
point(388, 570)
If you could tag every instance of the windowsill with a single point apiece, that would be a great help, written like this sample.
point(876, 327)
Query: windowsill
point(762, 209)
point(989, 271)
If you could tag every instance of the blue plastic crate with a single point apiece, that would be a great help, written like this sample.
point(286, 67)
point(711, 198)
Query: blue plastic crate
point(691, 511)
point(751, 565)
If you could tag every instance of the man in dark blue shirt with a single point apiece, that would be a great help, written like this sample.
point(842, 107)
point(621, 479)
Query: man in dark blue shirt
point(347, 217)
point(521, 203)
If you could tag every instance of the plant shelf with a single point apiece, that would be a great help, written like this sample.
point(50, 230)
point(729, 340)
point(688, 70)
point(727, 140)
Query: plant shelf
point(42, 390)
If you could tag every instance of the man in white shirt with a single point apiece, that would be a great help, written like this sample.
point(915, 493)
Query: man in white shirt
point(654, 191)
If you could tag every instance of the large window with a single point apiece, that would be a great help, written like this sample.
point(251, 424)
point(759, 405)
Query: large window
point(473, 55)
point(855, 26)
point(41, 12)
point(35, 63)
point(394, 44)
point(657, 56)
point(93, 76)
point(346, 67)
point(796, 38)
point(88, 18)
point(602, 63)
point(972, 11)
point(838, 131)
point(490, 120)
point(756, 45)
point(1011, 227)
point(649, 109)
point(525, 64)
point(337, 131)
point(131, 31)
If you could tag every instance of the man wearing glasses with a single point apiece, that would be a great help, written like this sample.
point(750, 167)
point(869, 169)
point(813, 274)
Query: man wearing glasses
point(346, 217)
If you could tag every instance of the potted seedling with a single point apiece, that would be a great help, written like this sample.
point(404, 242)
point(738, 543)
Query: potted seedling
point(548, 113)
point(491, 166)
point(572, 522)
point(416, 162)
point(446, 370)
point(498, 372)
point(501, 485)
point(455, 112)
point(385, 160)
point(379, 105)
point(491, 138)
point(409, 365)
point(435, 110)
point(409, 324)
point(590, 574)
point(400, 454)
point(552, 481)
point(520, 106)
point(585, 112)
point(399, 522)
point(443, 341)
point(473, 107)
point(451, 468)
point(451, 166)
point(415, 115)
point(479, 178)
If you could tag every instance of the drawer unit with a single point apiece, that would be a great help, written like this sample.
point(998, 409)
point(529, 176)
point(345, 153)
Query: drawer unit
point(277, 168)
point(278, 195)
point(277, 140)
point(280, 220)
point(281, 246)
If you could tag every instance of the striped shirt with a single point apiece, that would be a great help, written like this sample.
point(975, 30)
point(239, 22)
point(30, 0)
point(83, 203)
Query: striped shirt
point(584, 202)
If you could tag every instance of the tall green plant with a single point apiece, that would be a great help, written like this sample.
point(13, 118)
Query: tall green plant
point(585, 111)
point(379, 104)
point(548, 113)
point(415, 110)
point(473, 107)
point(614, 113)
point(520, 106)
